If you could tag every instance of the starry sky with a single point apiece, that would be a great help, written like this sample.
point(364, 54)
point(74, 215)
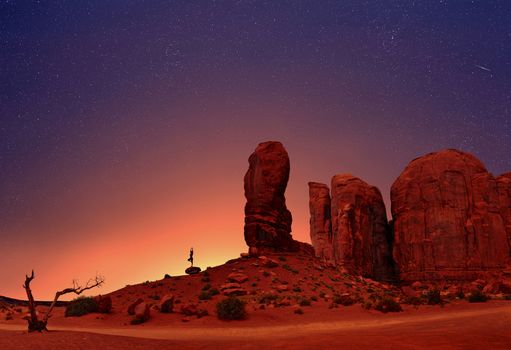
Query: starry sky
point(125, 126)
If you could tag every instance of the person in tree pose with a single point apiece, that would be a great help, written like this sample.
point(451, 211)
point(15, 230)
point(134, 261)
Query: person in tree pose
point(190, 259)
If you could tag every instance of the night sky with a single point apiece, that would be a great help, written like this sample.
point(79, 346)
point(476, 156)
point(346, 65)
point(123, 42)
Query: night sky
point(125, 126)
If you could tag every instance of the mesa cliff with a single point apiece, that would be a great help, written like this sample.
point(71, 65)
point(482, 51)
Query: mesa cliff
point(451, 218)
point(451, 221)
point(267, 219)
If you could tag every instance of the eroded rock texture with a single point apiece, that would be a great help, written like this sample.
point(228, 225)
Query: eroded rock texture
point(267, 219)
point(320, 222)
point(360, 231)
point(447, 219)
point(504, 189)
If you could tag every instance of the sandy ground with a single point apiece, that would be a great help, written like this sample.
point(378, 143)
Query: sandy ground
point(463, 326)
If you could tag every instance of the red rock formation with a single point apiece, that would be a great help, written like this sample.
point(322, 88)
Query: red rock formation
point(447, 220)
point(359, 228)
point(267, 220)
point(320, 222)
point(504, 189)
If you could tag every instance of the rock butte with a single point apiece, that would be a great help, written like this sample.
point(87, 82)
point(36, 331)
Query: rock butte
point(267, 219)
point(350, 229)
point(450, 218)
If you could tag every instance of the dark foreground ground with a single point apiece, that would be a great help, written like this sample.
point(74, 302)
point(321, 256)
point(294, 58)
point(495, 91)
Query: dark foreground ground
point(464, 326)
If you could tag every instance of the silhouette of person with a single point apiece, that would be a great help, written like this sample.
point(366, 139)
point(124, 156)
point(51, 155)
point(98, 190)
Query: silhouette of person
point(190, 259)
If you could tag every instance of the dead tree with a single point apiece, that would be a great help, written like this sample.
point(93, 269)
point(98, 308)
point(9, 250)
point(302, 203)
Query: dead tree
point(34, 323)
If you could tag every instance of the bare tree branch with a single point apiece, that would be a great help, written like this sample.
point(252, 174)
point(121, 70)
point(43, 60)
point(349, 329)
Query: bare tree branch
point(77, 289)
point(34, 324)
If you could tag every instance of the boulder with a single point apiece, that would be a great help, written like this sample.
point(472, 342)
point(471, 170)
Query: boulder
point(447, 219)
point(104, 303)
point(142, 312)
point(234, 292)
point(167, 303)
point(320, 221)
point(237, 277)
point(230, 285)
point(189, 309)
point(193, 270)
point(268, 262)
point(232, 289)
point(267, 219)
point(131, 308)
point(282, 288)
point(361, 237)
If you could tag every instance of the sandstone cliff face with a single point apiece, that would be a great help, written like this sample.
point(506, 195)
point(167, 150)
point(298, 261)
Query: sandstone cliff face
point(448, 219)
point(504, 189)
point(320, 222)
point(267, 220)
point(360, 231)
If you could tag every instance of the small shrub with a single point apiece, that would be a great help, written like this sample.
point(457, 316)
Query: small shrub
point(267, 298)
point(136, 321)
point(314, 298)
point(367, 305)
point(433, 297)
point(507, 297)
point(81, 306)
point(282, 258)
point(231, 309)
point(298, 311)
point(208, 293)
point(266, 274)
point(322, 294)
point(290, 269)
point(413, 300)
point(155, 297)
point(204, 295)
point(304, 302)
point(476, 296)
point(345, 300)
point(388, 304)
point(297, 289)
point(206, 286)
point(459, 294)
point(254, 284)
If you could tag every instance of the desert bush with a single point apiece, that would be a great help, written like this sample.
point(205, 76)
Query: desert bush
point(282, 258)
point(367, 305)
point(345, 300)
point(413, 300)
point(507, 297)
point(476, 296)
point(387, 304)
point(298, 311)
point(231, 309)
point(136, 321)
point(304, 302)
point(433, 297)
point(290, 269)
point(208, 293)
point(81, 306)
point(267, 298)
point(206, 286)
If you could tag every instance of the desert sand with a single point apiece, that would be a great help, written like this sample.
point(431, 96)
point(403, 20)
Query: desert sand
point(459, 326)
